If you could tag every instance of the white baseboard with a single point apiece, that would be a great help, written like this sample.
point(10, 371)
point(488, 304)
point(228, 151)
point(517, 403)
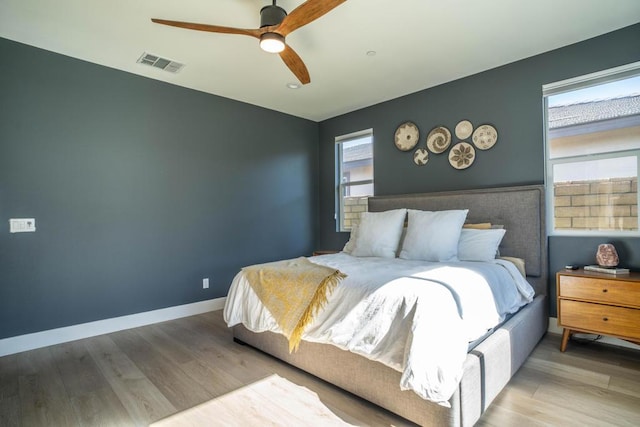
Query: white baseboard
point(554, 329)
point(85, 330)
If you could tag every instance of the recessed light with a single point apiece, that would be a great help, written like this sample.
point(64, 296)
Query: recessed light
point(371, 53)
point(293, 85)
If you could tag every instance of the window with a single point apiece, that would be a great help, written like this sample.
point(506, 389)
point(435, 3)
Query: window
point(354, 177)
point(593, 153)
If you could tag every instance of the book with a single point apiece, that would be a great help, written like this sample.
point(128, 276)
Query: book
point(608, 270)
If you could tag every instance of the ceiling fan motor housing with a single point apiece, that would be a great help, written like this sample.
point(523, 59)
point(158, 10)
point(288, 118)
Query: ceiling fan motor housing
point(271, 15)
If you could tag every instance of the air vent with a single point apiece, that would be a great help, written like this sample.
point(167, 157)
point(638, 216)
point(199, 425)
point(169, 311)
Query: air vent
point(162, 63)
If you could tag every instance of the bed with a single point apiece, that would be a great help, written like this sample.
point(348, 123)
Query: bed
point(491, 361)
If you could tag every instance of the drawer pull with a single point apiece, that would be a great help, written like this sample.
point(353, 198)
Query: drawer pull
point(604, 290)
point(605, 318)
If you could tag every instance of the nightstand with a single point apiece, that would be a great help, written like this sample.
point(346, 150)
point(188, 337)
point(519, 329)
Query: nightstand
point(598, 303)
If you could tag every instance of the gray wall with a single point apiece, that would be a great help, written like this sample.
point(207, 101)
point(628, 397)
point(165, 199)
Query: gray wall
point(510, 98)
point(139, 190)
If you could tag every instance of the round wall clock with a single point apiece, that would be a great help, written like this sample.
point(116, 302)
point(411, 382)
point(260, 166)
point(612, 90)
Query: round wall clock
point(462, 155)
point(407, 136)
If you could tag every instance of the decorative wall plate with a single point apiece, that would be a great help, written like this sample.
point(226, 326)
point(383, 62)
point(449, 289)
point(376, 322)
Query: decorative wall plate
point(485, 137)
point(464, 129)
point(421, 156)
point(462, 155)
point(407, 136)
point(438, 139)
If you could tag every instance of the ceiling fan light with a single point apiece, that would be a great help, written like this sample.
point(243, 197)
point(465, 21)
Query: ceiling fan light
point(272, 42)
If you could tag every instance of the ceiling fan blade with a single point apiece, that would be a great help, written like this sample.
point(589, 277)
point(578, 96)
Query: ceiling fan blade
point(210, 28)
point(295, 64)
point(307, 12)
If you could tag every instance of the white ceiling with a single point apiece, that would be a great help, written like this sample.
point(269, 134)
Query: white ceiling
point(419, 43)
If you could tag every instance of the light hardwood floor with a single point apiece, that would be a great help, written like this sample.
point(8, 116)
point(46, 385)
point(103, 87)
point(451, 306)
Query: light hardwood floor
point(190, 372)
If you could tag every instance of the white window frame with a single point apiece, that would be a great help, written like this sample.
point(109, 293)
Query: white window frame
point(589, 80)
point(340, 186)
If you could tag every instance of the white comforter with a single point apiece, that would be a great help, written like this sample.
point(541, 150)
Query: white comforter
point(413, 316)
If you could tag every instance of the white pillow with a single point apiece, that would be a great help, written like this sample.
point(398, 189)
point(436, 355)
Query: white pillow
point(348, 247)
point(379, 233)
point(433, 236)
point(479, 245)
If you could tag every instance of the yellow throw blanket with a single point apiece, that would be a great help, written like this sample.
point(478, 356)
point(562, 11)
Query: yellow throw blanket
point(293, 291)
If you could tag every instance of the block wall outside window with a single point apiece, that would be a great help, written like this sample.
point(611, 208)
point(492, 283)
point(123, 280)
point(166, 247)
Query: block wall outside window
point(353, 207)
point(608, 204)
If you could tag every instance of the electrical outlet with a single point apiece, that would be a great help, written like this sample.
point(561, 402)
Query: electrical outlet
point(205, 283)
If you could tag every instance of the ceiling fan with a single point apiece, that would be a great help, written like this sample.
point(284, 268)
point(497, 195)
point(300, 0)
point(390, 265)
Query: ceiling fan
point(275, 26)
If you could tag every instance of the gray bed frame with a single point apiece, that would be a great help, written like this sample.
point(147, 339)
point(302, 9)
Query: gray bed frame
point(491, 364)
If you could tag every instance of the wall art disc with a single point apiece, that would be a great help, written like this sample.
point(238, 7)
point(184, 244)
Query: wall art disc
point(464, 129)
point(438, 139)
point(462, 155)
point(485, 137)
point(421, 156)
point(407, 136)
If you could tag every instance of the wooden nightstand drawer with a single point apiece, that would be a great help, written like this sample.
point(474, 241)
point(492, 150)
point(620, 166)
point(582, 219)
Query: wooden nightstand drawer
point(598, 318)
point(600, 290)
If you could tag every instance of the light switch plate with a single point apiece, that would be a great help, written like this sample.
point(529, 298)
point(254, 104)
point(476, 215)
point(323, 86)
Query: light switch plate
point(22, 225)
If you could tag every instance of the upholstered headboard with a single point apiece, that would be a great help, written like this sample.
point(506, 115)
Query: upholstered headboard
point(519, 209)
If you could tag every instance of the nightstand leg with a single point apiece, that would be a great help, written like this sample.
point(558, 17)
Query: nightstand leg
point(566, 334)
